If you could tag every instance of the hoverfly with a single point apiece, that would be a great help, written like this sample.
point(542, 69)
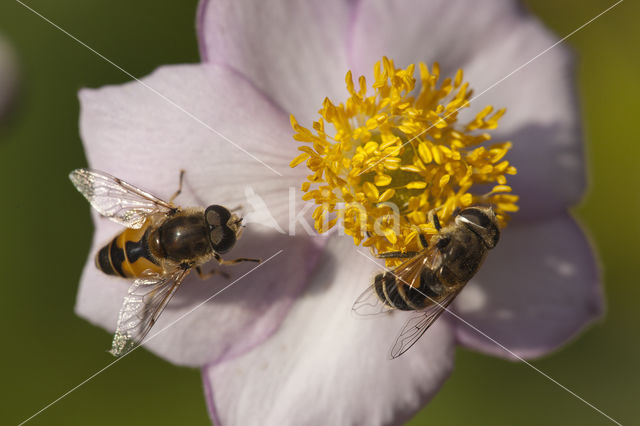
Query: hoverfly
point(429, 280)
point(161, 245)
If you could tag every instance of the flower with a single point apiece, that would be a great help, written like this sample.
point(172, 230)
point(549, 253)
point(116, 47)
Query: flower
point(8, 77)
point(281, 344)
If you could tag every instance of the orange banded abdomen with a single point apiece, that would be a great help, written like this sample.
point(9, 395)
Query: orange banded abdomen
point(128, 254)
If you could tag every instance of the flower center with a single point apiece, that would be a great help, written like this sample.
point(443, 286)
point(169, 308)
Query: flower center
point(397, 155)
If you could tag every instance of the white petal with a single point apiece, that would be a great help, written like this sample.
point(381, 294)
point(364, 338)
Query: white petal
point(295, 52)
point(414, 30)
point(539, 287)
point(325, 366)
point(146, 132)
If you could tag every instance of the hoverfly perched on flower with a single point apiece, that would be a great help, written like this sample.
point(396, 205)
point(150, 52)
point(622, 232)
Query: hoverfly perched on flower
point(429, 280)
point(162, 244)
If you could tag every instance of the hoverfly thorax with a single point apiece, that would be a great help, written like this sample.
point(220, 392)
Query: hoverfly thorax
point(183, 237)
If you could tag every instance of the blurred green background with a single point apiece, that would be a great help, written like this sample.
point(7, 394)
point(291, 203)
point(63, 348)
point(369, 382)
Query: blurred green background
point(46, 231)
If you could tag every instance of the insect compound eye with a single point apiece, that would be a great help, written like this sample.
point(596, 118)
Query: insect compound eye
point(222, 237)
point(477, 217)
point(479, 221)
point(217, 216)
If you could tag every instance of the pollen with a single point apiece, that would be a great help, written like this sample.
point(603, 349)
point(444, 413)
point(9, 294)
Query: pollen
point(382, 163)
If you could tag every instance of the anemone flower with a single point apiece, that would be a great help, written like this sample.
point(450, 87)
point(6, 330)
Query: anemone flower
point(281, 343)
point(8, 77)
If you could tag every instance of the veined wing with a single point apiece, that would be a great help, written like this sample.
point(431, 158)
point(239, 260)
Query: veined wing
point(116, 199)
point(145, 301)
point(419, 323)
point(408, 272)
point(369, 303)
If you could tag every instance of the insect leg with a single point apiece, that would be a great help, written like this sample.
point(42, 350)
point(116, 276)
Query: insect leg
point(433, 217)
point(207, 275)
point(234, 261)
point(179, 187)
point(423, 241)
point(403, 255)
point(396, 255)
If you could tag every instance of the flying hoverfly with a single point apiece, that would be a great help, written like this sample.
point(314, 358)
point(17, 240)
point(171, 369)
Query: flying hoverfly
point(163, 242)
point(429, 280)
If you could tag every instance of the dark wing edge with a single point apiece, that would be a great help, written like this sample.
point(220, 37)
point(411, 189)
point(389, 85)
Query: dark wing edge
point(418, 324)
point(116, 199)
point(142, 306)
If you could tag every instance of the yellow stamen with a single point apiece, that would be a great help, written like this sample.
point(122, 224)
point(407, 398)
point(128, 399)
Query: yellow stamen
point(398, 154)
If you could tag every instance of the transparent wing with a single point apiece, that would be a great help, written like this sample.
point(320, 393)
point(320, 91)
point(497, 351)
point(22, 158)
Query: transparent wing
point(116, 199)
point(143, 304)
point(370, 304)
point(420, 322)
point(408, 272)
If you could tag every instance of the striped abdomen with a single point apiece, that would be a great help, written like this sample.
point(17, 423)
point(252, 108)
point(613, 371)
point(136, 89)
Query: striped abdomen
point(399, 295)
point(128, 254)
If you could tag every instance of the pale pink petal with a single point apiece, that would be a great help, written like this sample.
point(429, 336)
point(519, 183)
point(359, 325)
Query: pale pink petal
point(539, 287)
point(295, 52)
point(131, 132)
point(234, 145)
point(489, 40)
point(326, 366)
point(448, 31)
